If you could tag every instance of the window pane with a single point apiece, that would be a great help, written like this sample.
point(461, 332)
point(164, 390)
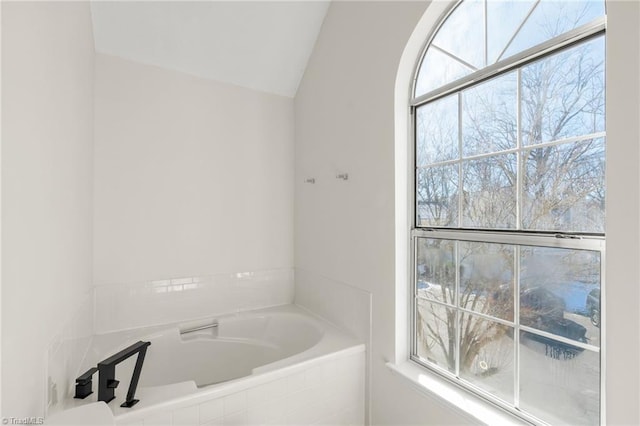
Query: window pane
point(486, 355)
point(489, 116)
point(437, 131)
point(559, 383)
point(559, 294)
point(552, 18)
point(462, 34)
point(489, 192)
point(563, 187)
point(438, 69)
point(559, 288)
point(486, 278)
point(437, 196)
point(435, 334)
point(436, 270)
point(563, 95)
point(503, 19)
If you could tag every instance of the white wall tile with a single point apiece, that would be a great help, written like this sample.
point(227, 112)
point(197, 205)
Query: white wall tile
point(211, 410)
point(342, 304)
point(329, 368)
point(237, 419)
point(296, 382)
point(271, 413)
point(277, 388)
point(347, 306)
point(313, 376)
point(331, 419)
point(278, 409)
point(258, 395)
point(258, 414)
point(65, 354)
point(125, 306)
point(132, 422)
point(215, 422)
point(188, 416)
point(316, 392)
point(234, 403)
point(354, 415)
point(307, 414)
point(161, 418)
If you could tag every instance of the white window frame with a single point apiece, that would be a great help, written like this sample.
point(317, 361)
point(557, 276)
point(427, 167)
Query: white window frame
point(578, 241)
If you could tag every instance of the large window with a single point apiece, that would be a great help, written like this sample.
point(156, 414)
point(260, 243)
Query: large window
point(509, 205)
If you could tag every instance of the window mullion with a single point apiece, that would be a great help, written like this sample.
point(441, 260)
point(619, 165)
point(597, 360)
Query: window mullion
point(516, 259)
point(414, 295)
point(457, 307)
point(515, 34)
point(516, 329)
point(486, 34)
point(454, 57)
point(457, 245)
point(460, 169)
point(519, 159)
point(523, 239)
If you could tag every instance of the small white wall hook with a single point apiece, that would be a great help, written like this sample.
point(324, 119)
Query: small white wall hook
point(343, 176)
point(310, 180)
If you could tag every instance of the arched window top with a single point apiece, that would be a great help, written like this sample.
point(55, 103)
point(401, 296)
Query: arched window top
point(480, 33)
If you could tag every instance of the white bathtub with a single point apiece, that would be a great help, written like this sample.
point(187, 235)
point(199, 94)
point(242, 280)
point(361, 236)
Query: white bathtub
point(246, 352)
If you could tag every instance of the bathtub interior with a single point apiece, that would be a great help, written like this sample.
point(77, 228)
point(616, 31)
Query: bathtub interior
point(241, 345)
point(205, 360)
point(229, 351)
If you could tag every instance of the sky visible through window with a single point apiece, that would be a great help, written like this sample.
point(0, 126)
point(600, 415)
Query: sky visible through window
point(459, 47)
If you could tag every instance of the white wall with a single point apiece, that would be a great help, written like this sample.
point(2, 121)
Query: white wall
point(345, 230)
point(47, 132)
point(622, 298)
point(192, 177)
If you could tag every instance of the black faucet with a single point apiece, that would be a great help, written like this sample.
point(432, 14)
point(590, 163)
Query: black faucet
point(84, 384)
point(107, 382)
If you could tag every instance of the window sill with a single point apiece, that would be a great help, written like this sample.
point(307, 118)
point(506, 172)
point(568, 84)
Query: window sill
point(475, 408)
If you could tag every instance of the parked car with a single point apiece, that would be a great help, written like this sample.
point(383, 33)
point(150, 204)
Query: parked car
point(544, 310)
point(538, 303)
point(593, 306)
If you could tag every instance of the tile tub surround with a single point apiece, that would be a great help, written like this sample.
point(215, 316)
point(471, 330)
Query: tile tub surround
point(341, 304)
point(346, 306)
point(128, 306)
point(65, 354)
point(328, 390)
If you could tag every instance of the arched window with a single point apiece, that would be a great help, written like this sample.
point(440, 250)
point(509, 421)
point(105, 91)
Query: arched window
point(508, 235)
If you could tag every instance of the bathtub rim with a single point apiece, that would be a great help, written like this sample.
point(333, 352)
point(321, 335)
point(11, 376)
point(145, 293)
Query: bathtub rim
point(221, 390)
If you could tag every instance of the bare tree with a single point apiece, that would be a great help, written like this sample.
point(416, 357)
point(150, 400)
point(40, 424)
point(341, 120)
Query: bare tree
point(562, 188)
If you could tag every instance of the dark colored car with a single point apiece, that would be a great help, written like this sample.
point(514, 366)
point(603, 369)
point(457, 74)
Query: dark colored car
point(544, 310)
point(593, 306)
point(538, 303)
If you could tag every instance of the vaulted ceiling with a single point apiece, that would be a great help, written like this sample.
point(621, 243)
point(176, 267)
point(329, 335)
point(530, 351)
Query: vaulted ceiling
point(262, 45)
